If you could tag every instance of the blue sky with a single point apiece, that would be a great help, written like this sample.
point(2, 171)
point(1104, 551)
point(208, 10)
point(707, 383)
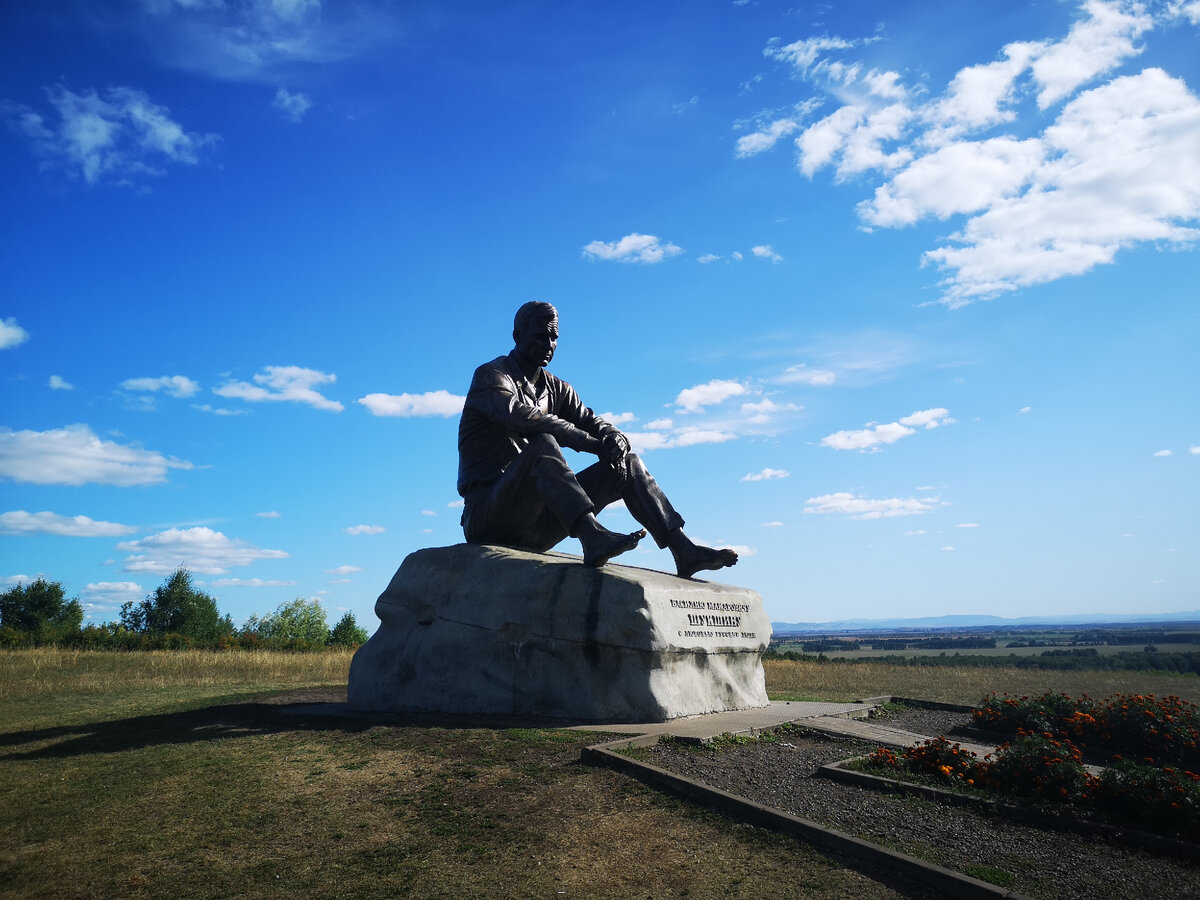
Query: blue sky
point(898, 299)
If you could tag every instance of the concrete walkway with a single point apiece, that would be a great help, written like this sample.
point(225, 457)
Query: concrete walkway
point(743, 721)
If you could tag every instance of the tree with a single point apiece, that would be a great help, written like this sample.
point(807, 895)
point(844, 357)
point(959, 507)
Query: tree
point(41, 611)
point(346, 633)
point(176, 607)
point(300, 620)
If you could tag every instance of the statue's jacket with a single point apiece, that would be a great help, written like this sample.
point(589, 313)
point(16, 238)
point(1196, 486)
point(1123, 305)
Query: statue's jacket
point(504, 409)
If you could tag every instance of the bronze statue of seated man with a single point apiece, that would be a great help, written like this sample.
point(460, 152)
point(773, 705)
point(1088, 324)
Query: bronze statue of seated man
point(519, 490)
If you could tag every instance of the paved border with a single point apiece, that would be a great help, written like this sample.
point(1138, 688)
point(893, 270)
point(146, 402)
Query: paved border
point(952, 884)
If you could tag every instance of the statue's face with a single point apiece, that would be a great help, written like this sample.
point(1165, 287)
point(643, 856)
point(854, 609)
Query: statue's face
point(536, 343)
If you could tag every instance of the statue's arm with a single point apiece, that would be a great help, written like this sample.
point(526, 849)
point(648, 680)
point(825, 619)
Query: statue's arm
point(493, 394)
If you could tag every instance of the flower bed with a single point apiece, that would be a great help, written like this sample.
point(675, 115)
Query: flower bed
point(1159, 790)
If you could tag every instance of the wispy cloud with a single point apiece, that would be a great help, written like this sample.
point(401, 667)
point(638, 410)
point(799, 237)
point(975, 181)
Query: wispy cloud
point(250, 582)
point(1094, 165)
point(291, 384)
point(766, 475)
point(199, 549)
point(633, 248)
point(118, 138)
point(22, 522)
point(257, 40)
point(11, 334)
point(292, 106)
point(364, 529)
point(176, 385)
point(75, 455)
point(432, 403)
point(870, 437)
point(856, 507)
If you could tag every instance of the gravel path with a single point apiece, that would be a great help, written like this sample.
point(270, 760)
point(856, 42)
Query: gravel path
point(1044, 862)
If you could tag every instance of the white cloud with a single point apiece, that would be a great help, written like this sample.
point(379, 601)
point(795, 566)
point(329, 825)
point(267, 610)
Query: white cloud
point(966, 525)
point(1116, 166)
point(766, 475)
point(175, 385)
point(863, 508)
point(293, 106)
point(22, 522)
point(111, 593)
point(1023, 410)
point(256, 40)
point(343, 570)
point(58, 383)
point(801, 374)
point(949, 548)
point(14, 580)
point(618, 418)
point(198, 549)
point(268, 515)
point(915, 531)
point(760, 412)
point(250, 582)
point(1095, 45)
point(775, 524)
point(432, 403)
point(766, 251)
point(661, 424)
point(337, 581)
point(1163, 453)
point(873, 435)
point(428, 512)
point(750, 144)
point(75, 455)
point(11, 334)
point(707, 258)
point(284, 383)
point(364, 529)
point(635, 248)
point(1194, 449)
point(644, 441)
point(456, 504)
point(118, 138)
point(695, 399)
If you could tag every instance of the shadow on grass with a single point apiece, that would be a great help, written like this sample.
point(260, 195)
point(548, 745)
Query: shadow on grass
point(291, 712)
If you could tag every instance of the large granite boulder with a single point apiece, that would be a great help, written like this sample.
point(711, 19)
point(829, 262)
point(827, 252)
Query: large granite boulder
point(482, 630)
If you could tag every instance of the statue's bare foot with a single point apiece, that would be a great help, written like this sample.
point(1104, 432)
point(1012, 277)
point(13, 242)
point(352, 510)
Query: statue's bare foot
point(691, 558)
point(601, 545)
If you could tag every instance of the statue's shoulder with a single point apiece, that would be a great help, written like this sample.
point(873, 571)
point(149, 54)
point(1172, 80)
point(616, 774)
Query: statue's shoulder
point(498, 368)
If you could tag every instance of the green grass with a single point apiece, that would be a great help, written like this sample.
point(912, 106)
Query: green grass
point(156, 775)
point(794, 679)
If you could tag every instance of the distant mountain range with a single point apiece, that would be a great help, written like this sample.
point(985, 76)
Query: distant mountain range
point(928, 623)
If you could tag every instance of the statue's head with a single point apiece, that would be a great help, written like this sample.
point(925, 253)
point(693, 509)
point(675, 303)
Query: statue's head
point(535, 332)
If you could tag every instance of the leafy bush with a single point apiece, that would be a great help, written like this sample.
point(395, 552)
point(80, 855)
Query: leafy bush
point(37, 614)
point(177, 608)
point(346, 633)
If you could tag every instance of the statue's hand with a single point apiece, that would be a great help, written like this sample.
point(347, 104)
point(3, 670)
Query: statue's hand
point(614, 447)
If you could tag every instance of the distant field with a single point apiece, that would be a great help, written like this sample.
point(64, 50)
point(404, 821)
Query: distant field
point(1103, 650)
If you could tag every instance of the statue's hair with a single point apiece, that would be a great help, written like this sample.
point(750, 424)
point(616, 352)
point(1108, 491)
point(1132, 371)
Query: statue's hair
point(531, 312)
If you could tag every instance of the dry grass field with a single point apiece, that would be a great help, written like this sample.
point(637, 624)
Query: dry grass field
point(186, 775)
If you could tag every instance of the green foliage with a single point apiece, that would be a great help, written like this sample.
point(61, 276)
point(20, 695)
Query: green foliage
point(38, 614)
point(297, 625)
point(177, 608)
point(346, 633)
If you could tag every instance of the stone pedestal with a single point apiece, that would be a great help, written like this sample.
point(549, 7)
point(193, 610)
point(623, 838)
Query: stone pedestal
point(481, 630)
